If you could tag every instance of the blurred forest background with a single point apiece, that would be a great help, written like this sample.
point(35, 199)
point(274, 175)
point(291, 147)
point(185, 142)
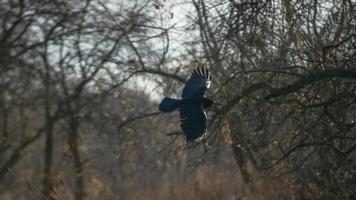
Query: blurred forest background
point(80, 83)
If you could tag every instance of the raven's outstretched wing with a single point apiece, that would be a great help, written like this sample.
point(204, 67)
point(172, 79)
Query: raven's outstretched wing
point(169, 104)
point(193, 120)
point(199, 81)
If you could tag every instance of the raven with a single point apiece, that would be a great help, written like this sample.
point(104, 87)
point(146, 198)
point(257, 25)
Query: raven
point(192, 105)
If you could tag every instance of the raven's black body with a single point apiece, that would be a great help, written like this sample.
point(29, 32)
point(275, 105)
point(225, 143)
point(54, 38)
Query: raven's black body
point(191, 106)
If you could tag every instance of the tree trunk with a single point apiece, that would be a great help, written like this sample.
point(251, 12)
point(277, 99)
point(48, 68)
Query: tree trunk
point(74, 148)
point(47, 181)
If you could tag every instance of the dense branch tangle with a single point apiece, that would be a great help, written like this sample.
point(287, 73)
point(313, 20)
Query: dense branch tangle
point(55, 64)
point(287, 77)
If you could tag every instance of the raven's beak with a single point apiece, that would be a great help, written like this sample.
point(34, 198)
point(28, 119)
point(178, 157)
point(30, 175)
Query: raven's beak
point(218, 104)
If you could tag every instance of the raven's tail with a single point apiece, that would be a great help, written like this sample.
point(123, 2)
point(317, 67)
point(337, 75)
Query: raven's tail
point(169, 104)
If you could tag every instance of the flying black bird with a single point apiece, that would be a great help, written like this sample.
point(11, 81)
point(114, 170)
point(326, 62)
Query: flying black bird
point(192, 105)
